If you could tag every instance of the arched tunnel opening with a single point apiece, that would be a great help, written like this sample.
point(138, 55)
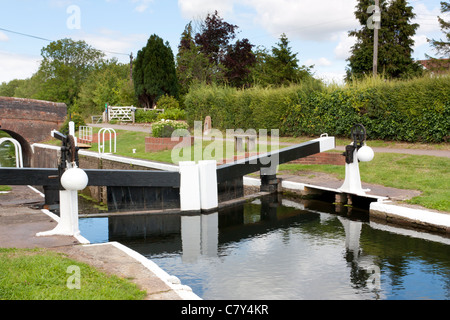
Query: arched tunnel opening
point(27, 152)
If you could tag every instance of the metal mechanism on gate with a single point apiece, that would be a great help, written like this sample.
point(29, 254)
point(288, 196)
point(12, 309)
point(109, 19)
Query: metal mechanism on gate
point(69, 152)
point(359, 136)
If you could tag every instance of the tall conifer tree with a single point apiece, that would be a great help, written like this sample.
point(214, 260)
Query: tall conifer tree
point(394, 45)
point(154, 72)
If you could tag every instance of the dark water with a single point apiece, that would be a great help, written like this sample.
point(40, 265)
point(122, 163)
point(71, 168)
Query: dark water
point(285, 249)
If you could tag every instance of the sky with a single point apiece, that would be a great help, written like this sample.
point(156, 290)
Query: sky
point(317, 29)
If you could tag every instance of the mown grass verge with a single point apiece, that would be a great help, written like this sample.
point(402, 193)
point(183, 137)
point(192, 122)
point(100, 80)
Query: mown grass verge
point(430, 175)
point(40, 274)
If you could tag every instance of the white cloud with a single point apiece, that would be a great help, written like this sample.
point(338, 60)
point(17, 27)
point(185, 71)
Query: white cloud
point(113, 41)
point(193, 9)
point(321, 62)
point(14, 66)
point(3, 37)
point(419, 40)
point(427, 19)
point(343, 49)
point(306, 19)
point(331, 77)
point(141, 5)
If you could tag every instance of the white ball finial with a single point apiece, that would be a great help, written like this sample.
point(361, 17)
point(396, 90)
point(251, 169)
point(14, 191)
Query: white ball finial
point(365, 154)
point(74, 179)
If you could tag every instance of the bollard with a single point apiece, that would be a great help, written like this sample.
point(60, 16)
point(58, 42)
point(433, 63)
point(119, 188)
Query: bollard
point(189, 186)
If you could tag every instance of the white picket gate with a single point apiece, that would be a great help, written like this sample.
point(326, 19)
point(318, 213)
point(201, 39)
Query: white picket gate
point(122, 114)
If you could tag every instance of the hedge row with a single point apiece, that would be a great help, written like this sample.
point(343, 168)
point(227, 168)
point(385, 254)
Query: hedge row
point(414, 110)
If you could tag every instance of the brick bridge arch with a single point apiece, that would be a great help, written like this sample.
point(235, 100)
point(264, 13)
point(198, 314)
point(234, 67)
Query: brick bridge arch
point(30, 121)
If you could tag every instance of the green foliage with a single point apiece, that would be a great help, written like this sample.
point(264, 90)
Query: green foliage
point(65, 66)
point(414, 110)
point(395, 42)
point(77, 119)
point(168, 102)
point(165, 128)
point(173, 114)
point(154, 73)
point(442, 47)
point(109, 83)
point(145, 116)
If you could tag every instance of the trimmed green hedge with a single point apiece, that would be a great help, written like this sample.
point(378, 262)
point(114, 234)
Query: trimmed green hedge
point(414, 110)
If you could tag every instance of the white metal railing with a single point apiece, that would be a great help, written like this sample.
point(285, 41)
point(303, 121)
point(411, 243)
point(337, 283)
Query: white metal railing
point(101, 140)
point(18, 150)
point(123, 114)
point(85, 134)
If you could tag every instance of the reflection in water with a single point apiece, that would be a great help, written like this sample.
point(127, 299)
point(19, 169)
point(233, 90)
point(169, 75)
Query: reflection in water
point(275, 248)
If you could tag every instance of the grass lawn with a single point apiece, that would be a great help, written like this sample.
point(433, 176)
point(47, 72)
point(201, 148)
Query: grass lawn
point(430, 175)
point(40, 274)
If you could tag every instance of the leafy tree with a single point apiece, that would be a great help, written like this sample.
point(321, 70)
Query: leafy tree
point(210, 56)
point(109, 83)
point(283, 62)
point(65, 66)
point(154, 72)
point(238, 61)
point(193, 65)
point(395, 41)
point(8, 89)
point(280, 67)
point(442, 47)
point(214, 37)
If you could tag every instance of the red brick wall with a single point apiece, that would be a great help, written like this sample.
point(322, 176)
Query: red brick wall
point(323, 158)
point(158, 144)
point(31, 119)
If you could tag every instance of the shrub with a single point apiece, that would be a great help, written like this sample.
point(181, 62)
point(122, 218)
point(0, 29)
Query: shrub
point(412, 110)
point(172, 114)
point(77, 119)
point(145, 116)
point(165, 128)
point(168, 102)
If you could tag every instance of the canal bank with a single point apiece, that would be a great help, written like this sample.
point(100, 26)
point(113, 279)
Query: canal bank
point(20, 220)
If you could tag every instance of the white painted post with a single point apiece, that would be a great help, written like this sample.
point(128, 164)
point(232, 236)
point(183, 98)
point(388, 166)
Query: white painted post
point(208, 184)
point(352, 182)
point(68, 199)
point(189, 186)
point(72, 131)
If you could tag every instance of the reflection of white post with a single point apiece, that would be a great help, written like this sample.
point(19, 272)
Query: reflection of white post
point(18, 150)
point(352, 234)
point(101, 140)
point(210, 234)
point(190, 237)
point(199, 236)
